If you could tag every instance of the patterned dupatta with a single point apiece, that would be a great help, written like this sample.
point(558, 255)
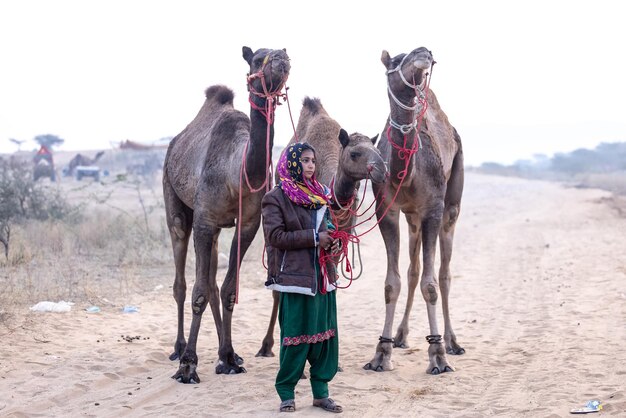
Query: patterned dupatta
point(310, 194)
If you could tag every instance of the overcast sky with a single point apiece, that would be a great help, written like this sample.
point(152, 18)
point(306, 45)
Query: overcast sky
point(515, 78)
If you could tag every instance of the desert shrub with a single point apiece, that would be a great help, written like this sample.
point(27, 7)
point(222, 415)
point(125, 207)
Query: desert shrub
point(22, 199)
point(603, 167)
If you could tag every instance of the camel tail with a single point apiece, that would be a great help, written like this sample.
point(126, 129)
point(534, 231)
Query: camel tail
point(221, 94)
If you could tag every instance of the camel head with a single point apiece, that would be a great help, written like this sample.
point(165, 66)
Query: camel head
point(408, 70)
point(269, 70)
point(360, 159)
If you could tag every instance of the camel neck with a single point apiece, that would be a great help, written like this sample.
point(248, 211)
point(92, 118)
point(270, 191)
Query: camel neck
point(259, 145)
point(403, 135)
point(343, 189)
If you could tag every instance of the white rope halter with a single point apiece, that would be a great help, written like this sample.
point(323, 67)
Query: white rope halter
point(406, 128)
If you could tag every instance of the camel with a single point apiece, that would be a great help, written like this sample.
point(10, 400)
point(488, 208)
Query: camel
point(341, 160)
point(214, 177)
point(429, 195)
point(82, 160)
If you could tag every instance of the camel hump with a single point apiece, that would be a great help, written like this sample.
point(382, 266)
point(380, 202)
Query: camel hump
point(221, 94)
point(313, 105)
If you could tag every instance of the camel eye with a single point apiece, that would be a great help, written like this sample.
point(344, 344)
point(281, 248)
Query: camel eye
point(354, 155)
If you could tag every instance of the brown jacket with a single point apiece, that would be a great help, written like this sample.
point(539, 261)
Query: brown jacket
point(290, 239)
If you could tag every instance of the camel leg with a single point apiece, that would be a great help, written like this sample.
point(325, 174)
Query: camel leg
point(179, 220)
point(268, 340)
point(415, 241)
point(205, 290)
point(438, 362)
point(445, 279)
point(229, 362)
point(389, 228)
point(446, 236)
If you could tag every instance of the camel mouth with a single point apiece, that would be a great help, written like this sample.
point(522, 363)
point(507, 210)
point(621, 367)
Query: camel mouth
point(377, 170)
point(280, 64)
point(422, 58)
point(278, 72)
point(422, 64)
point(378, 175)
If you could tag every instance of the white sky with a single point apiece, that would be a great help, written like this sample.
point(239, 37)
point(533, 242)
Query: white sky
point(515, 78)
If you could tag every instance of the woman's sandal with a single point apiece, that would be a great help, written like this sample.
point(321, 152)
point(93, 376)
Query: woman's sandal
point(288, 406)
point(327, 404)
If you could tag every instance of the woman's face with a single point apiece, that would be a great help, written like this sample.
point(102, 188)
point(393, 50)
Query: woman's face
point(307, 159)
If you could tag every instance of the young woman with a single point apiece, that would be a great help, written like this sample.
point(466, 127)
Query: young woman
point(296, 225)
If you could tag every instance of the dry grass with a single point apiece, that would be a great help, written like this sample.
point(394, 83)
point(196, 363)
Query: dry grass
point(119, 247)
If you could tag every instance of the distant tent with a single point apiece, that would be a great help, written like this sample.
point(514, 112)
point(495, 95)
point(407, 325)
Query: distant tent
point(132, 145)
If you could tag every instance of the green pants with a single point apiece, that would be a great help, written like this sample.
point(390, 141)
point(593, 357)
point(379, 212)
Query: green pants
point(323, 358)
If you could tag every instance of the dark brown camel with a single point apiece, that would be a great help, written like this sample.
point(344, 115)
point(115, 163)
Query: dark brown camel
point(202, 187)
point(430, 198)
point(347, 159)
point(80, 159)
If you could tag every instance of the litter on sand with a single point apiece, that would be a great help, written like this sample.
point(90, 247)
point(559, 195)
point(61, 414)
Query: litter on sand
point(591, 406)
point(130, 309)
point(47, 306)
point(93, 309)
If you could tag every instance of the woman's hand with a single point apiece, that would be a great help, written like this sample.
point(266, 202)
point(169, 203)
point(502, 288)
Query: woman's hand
point(326, 240)
point(328, 243)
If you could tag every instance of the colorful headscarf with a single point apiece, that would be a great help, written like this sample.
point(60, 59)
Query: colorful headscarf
point(311, 194)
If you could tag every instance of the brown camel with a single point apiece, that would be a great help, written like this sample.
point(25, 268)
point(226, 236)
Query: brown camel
point(203, 185)
point(80, 159)
point(430, 198)
point(342, 160)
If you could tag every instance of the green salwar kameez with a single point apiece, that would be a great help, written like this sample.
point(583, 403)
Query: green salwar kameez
point(308, 332)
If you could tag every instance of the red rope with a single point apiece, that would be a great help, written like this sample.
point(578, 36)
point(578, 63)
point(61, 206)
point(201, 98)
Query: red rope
point(404, 153)
point(272, 99)
point(344, 238)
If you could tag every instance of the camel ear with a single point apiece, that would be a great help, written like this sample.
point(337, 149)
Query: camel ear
point(385, 58)
point(247, 54)
point(374, 139)
point(344, 138)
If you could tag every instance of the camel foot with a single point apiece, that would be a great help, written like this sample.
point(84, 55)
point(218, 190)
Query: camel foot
point(238, 359)
point(382, 359)
point(370, 366)
point(456, 352)
point(455, 349)
point(400, 340)
point(379, 364)
point(179, 349)
point(435, 370)
point(187, 370)
point(265, 351)
point(437, 357)
point(226, 368)
point(451, 345)
point(401, 344)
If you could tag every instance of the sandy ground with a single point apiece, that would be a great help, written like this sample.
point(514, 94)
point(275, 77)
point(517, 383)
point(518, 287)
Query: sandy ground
point(538, 301)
